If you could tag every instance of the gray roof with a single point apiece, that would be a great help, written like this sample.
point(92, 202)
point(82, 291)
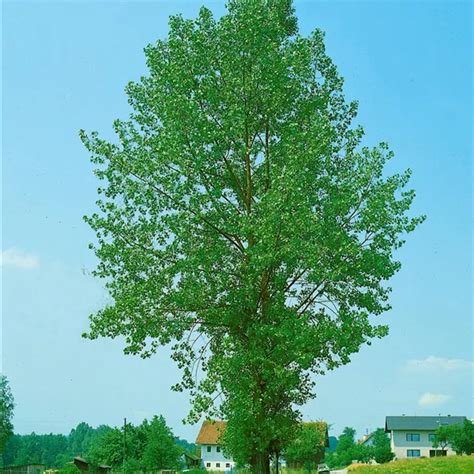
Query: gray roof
point(420, 422)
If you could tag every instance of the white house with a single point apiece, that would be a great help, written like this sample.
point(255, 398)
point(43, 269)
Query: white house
point(212, 456)
point(413, 436)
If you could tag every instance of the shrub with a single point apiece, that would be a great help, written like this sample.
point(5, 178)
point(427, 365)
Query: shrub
point(70, 468)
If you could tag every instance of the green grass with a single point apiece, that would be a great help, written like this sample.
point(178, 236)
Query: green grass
point(441, 465)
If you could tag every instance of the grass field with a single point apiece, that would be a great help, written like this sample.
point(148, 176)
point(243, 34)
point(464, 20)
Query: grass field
point(444, 465)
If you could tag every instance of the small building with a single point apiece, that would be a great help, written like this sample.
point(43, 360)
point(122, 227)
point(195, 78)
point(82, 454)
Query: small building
point(413, 436)
point(191, 461)
point(84, 466)
point(367, 439)
point(212, 455)
point(23, 469)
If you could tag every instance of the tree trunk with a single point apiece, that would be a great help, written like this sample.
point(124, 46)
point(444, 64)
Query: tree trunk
point(260, 463)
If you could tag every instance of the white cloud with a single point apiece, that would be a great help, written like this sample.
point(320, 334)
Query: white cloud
point(433, 363)
point(432, 399)
point(17, 258)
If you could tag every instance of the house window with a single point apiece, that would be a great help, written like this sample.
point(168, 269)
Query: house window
point(208, 464)
point(413, 453)
point(218, 449)
point(431, 437)
point(218, 464)
point(227, 464)
point(208, 449)
point(413, 437)
point(437, 452)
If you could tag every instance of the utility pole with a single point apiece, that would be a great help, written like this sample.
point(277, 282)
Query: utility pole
point(124, 442)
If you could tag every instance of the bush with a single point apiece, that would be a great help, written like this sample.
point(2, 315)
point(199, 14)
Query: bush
point(131, 466)
point(70, 469)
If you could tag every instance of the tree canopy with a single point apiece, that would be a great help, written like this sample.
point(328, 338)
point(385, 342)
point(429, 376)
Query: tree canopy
point(307, 449)
point(53, 450)
point(381, 450)
point(459, 436)
point(242, 219)
point(150, 445)
point(348, 450)
point(161, 451)
point(7, 405)
point(344, 453)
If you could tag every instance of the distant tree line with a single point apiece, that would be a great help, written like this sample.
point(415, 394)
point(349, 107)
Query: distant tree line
point(148, 446)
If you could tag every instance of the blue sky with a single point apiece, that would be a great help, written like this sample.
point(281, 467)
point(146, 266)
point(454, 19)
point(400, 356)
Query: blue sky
point(65, 65)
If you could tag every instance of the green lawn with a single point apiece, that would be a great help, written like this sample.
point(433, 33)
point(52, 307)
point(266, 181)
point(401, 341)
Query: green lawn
point(441, 465)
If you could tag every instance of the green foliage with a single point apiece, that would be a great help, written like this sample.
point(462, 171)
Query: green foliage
point(151, 444)
point(7, 405)
point(51, 449)
point(307, 449)
point(348, 450)
point(436, 465)
point(161, 451)
point(83, 437)
point(32, 448)
point(443, 433)
point(114, 446)
point(460, 437)
point(343, 455)
point(381, 450)
point(361, 453)
point(187, 446)
point(108, 449)
point(241, 218)
point(330, 459)
point(346, 441)
point(69, 469)
point(131, 466)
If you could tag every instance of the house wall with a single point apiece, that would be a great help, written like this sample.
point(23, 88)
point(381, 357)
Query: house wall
point(368, 442)
point(400, 445)
point(217, 460)
point(23, 469)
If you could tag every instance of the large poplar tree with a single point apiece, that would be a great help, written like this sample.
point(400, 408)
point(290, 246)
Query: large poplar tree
point(242, 220)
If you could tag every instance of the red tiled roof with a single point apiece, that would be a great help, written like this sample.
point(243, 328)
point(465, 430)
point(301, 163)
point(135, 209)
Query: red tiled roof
point(210, 432)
